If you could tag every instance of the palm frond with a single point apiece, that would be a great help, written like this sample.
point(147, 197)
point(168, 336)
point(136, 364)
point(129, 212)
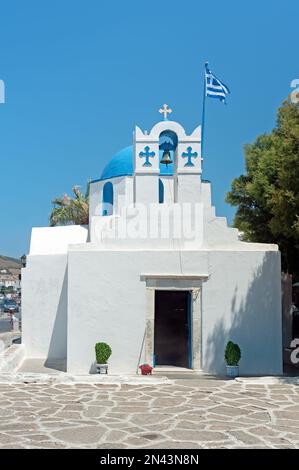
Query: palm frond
point(67, 210)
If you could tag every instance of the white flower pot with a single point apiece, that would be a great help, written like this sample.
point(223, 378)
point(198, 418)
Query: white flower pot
point(232, 371)
point(102, 368)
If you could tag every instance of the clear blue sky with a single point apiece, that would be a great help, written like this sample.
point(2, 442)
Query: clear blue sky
point(80, 74)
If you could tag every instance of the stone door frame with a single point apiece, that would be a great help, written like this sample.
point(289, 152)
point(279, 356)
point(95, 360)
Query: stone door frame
point(191, 283)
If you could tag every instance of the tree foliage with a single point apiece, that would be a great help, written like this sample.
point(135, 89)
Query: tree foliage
point(71, 211)
point(267, 195)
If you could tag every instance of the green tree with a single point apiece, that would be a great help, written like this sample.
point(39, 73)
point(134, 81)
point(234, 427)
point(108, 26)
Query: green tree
point(267, 195)
point(69, 211)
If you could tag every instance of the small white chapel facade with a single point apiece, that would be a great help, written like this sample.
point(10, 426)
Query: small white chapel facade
point(156, 274)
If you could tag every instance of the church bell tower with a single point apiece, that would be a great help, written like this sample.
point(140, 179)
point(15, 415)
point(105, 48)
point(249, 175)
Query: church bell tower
point(167, 161)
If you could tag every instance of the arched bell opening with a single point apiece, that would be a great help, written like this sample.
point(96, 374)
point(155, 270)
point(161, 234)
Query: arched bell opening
point(168, 142)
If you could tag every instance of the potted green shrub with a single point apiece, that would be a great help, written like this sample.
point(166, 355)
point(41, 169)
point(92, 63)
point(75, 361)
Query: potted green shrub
point(232, 357)
point(103, 352)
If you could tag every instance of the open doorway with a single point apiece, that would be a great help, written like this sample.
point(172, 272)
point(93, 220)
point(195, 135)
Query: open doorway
point(172, 334)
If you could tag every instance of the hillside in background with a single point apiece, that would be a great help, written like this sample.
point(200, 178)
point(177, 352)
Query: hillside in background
point(13, 265)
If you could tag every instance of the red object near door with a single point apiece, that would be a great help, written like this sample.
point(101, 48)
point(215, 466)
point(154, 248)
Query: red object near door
point(146, 369)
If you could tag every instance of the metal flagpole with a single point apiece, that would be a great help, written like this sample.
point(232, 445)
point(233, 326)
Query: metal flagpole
point(203, 112)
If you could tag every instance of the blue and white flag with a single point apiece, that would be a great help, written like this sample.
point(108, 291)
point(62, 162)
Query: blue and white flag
point(215, 88)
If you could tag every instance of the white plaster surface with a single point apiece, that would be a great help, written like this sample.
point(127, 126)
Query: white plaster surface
point(44, 306)
point(122, 195)
point(147, 188)
point(239, 302)
point(55, 240)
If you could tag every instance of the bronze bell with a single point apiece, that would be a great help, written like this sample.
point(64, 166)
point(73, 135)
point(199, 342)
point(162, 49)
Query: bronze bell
point(166, 158)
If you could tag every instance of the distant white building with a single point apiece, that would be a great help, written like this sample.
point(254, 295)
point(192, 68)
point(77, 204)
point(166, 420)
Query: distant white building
point(156, 275)
point(9, 280)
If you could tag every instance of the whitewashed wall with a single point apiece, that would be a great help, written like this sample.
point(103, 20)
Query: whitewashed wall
point(55, 240)
point(122, 195)
point(241, 302)
point(44, 290)
point(44, 306)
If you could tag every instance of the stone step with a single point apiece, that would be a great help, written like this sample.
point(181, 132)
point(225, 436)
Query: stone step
point(163, 370)
point(12, 358)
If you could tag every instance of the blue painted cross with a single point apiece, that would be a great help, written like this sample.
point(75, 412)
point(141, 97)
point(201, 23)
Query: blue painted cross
point(189, 154)
point(147, 154)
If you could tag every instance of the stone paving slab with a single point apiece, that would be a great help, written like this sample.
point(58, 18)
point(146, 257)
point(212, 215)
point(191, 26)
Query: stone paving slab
point(180, 414)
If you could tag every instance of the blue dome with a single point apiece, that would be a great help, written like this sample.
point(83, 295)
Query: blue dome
point(120, 165)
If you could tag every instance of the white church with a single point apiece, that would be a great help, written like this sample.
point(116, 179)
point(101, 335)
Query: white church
point(156, 274)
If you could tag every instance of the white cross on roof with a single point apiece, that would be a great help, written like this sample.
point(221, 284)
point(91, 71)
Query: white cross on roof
point(165, 110)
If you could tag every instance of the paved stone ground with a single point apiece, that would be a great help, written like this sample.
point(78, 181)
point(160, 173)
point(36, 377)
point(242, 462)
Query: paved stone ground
point(198, 413)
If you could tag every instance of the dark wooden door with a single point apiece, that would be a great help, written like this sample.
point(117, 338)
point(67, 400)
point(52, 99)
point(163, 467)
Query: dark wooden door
point(171, 328)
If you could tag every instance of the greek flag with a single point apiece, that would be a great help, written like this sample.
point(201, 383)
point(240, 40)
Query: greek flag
point(215, 88)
